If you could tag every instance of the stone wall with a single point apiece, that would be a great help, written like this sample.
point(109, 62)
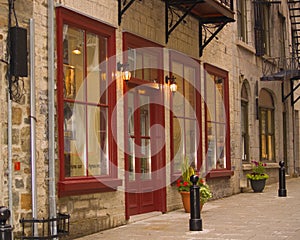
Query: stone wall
point(96, 212)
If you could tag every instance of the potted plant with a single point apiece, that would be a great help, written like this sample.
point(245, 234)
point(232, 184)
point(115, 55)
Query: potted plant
point(258, 176)
point(184, 184)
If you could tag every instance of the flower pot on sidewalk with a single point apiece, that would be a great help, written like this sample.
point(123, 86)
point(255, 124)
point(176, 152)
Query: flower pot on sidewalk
point(258, 185)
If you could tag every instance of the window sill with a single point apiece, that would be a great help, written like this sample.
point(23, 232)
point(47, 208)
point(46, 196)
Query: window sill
point(245, 46)
point(248, 166)
point(87, 186)
point(219, 173)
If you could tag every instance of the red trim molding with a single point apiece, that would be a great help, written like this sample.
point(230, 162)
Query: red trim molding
point(94, 185)
point(219, 173)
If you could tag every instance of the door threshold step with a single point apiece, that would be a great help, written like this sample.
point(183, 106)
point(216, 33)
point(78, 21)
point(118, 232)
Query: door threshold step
point(140, 217)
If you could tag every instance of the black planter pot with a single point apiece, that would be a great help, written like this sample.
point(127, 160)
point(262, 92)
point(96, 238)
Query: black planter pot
point(258, 185)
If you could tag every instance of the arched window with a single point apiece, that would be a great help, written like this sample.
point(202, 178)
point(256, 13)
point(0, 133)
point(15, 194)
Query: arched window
point(266, 126)
point(244, 123)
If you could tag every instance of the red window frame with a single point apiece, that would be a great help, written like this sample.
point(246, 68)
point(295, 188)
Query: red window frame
point(223, 172)
point(90, 184)
point(186, 61)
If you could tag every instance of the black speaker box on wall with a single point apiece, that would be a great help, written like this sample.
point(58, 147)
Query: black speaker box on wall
point(18, 52)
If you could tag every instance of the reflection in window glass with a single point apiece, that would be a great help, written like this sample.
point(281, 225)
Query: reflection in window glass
point(144, 64)
point(215, 122)
point(184, 115)
point(85, 103)
point(131, 159)
point(73, 61)
point(74, 146)
point(145, 159)
point(267, 137)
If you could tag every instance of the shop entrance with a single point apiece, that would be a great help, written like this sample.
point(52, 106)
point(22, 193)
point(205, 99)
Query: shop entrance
point(145, 151)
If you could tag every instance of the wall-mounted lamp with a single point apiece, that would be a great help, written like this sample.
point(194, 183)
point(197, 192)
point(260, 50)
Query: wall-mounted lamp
point(76, 50)
point(172, 82)
point(123, 68)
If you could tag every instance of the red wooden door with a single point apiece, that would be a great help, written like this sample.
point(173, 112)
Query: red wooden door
point(144, 161)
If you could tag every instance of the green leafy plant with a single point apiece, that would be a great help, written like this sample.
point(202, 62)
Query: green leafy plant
point(184, 183)
point(258, 171)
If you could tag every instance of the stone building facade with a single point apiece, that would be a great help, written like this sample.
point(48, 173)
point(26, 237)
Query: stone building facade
point(259, 121)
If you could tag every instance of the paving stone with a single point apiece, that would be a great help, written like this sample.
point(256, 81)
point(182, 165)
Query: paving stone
point(244, 216)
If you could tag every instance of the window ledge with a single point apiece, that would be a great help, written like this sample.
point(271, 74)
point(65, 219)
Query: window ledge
point(87, 186)
point(248, 166)
point(245, 46)
point(220, 173)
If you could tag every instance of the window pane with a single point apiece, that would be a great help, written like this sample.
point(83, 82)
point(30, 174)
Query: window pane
point(177, 143)
point(244, 130)
point(93, 69)
point(131, 159)
point(139, 66)
point(73, 62)
point(219, 102)
point(243, 117)
point(75, 144)
point(130, 114)
point(96, 68)
point(242, 20)
point(103, 69)
point(190, 142)
point(150, 67)
point(264, 154)
point(210, 96)
point(144, 115)
point(178, 99)
point(185, 118)
point(270, 148)
point(211, 144)
point(69, 82)
point(189, 93)
point(263, 122)
point(97, 141)
point(270, 125)
point(220, 151)
point(145, 159)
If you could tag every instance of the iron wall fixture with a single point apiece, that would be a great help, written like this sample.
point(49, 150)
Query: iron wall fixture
point(125, 73)
point(172, 81)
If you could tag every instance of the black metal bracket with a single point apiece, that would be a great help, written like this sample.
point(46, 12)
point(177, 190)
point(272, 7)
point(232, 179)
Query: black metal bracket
point(291, 93)
point(171, 24)
point(203, 42)
point(122, 10)
point(170, 7)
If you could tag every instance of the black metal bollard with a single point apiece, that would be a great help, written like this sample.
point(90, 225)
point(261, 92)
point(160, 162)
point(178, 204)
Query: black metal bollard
point(5, 229)
point(195, 220)
point(281, 190)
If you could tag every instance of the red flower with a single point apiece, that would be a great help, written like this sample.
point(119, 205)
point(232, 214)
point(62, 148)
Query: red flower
point(178, 183)
point(185, 184)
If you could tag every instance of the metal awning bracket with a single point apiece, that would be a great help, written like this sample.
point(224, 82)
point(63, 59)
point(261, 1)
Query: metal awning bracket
point(168, 7)
point(204, 42)
point(291, 93)
point(122, 10)
point(218, 16)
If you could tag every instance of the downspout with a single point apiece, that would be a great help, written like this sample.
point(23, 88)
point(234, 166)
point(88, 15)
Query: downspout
point(9, 154)
point(33, 126)
point(9, 128)
point(51, 109)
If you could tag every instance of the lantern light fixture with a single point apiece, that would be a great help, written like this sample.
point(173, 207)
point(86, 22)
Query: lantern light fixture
point(125, 73)
point(172, 82)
